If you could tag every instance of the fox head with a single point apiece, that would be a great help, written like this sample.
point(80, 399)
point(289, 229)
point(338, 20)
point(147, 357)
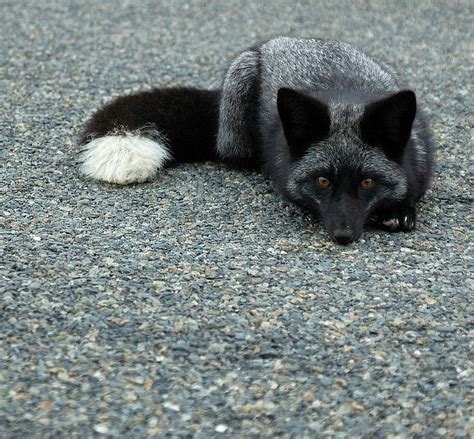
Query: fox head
point(345, 157)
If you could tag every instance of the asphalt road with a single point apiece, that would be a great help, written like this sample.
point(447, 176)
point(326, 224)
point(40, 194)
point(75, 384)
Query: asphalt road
point(202, 305)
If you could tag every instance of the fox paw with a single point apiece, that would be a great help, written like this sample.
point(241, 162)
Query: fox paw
point(397, 219)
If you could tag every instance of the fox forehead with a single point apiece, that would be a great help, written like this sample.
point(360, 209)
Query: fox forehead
point(345, 116)
point(344, 154)
point(342, 151)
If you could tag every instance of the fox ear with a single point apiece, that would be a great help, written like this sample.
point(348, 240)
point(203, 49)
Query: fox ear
point(387, 123)
point(305, 120)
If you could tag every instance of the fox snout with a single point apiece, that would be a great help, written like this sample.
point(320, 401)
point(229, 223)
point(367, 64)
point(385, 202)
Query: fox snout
point(344, 235)
point(344, 225)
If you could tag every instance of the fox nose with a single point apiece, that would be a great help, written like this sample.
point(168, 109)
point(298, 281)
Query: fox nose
point(343, 236)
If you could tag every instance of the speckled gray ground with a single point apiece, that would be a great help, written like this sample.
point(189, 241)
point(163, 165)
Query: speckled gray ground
point(201, 304)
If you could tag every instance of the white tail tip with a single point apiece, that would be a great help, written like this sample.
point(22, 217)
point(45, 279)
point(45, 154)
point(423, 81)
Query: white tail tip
point(123, 159)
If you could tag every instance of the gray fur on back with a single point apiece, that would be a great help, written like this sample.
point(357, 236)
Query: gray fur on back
point(316, 66)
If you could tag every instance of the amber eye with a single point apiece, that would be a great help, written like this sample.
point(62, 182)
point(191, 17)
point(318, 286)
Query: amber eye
point(367, 183)
point(324, 182)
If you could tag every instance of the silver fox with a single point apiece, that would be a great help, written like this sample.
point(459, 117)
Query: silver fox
point(334, 129)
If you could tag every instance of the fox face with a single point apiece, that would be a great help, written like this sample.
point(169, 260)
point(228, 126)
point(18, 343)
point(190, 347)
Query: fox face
point(346, 157)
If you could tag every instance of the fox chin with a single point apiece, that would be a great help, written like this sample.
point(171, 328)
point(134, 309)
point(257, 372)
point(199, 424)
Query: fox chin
point(335, 130)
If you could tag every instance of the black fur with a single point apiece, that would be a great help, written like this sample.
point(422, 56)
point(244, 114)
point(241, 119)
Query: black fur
point(305, 120)
point(387, 123)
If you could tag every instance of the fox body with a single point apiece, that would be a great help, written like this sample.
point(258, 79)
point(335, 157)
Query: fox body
point(333, 128)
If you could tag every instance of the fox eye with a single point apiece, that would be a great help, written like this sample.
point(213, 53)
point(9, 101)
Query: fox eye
point(324, 182)
point(367, 183)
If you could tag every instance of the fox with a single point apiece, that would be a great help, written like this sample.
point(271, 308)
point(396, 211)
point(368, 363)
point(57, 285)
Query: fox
point(335, 130)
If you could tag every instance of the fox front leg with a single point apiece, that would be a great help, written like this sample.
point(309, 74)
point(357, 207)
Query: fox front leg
point(399, 217)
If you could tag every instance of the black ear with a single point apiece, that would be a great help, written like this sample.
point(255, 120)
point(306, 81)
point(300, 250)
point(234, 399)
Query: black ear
point(305, 120)
point(387, 123)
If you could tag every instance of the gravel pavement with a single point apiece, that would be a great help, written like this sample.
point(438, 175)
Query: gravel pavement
point(201, 304)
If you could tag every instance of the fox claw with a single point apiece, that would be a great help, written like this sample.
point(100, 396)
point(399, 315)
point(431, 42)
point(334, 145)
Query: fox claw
point(397, 219)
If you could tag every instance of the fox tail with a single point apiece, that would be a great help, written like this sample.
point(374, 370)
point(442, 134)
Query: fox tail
point(132, 138)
